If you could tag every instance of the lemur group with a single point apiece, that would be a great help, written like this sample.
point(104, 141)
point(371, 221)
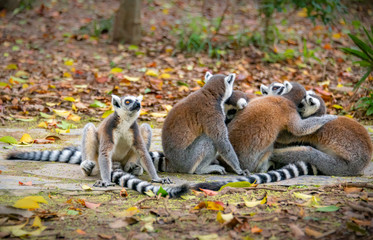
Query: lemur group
point(283, 134)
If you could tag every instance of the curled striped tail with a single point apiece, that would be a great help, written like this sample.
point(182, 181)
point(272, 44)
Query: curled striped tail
point(159, 161)
point(287, 172)
point(127, 180)
point(67, 155)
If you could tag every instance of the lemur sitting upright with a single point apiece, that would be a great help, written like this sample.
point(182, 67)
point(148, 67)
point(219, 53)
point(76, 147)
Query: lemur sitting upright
point(194, 130)
point(118, 139)
point(254, 130)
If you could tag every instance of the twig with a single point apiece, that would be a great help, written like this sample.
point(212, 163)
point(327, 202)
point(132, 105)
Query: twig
point(165, 201)
point(144, 200)
point(264, 188)
point(346, 184)
point(359, 208)
point(303, 190)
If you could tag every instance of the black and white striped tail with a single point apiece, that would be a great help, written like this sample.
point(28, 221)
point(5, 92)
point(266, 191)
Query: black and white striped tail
point(127, 180)
point(159, 161)
point(287, 172)
point(67, 155)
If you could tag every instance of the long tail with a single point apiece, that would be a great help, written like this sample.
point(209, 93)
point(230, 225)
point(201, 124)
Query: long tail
point(67, 155)
point(127, 180)
point(159, 161)
point(287, 172)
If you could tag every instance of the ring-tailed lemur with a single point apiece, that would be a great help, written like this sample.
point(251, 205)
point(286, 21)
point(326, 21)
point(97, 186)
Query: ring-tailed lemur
point(342, 147)
point(194, 130)
point(237, 101)
point(118, 139)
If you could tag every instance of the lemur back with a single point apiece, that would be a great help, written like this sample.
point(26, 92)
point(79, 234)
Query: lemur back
point(194, 130)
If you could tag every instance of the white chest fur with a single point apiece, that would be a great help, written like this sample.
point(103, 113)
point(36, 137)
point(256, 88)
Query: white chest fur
point(123, 141)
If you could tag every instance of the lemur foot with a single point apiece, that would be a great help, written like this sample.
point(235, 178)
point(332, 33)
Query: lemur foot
point(101, 183)
point(116, 165)
point(87, 167)
point(165, 180)
point(245, 172)
point(134, 168)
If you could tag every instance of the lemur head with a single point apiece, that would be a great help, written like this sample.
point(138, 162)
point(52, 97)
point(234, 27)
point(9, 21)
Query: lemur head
point(312, 105)
point(127, 105)
point(220, 85)
point(276, 88)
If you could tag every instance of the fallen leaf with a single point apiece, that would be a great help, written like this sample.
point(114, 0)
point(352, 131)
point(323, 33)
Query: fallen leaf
point(26, 138)
point(97, 104)
point(72, 212)
point(165, 76)
point(91, 205)
point(29, 183)
point(211, 236)
point(132, 79)
point(44, 115)
point(74, 118)
point(62, 113)
point(116, 70)
point(302, 196)
point(69, 62)
point(223, 218)
point(296, 231)
point(256, 230)
point(8, 139)
point(105, 236)
point(85, 187)
point(151, 73)
point(158, 115)
point(312, 233)
point(209, 192)
point(123, 193)
point(352, 189)
point(60, 131)
point(70, 99)
point(362, 222)
point(217, 205)
point(330, 208)
point(107, 113)
point(237, 185)
point(37, 222)
point(161, 191)
point(81, 232)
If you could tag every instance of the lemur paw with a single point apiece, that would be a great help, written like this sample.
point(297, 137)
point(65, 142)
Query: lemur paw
point(245, 172)
point(134, 168)
point(101, 183)
point(162, 180)
point(87, 167)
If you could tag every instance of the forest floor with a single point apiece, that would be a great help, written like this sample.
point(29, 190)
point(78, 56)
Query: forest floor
point(59, 69)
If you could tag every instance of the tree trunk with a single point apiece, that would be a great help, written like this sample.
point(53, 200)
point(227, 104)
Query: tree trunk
point(127, 22)
point(9, 5)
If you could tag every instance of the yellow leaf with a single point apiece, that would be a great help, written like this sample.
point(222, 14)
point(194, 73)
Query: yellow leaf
point(168, 70)
point(37, 222)
point(67, 75)
point(327, 82)
point(74, 108)
point(116, 70)
point(165, 11)
point(62, 113)
point(60, 131)
point(183, 89)
point(158, 115)
point(38, 199)
point(11, 66)
point(252, 203)
point(86, 187)
point(336, 35)
point(74, 117)
point(52, 86)
point(258, 93)
point(129, 212)
point(26, 204)
point(107, 113)
point(43, 125)
point(151, 73)
point(25, 85)
point(349, 116)
point(26, 138)
point(132, 79)
point(69, 62)
point(165, 76)
point(143, 112)
point(153, 28)
point(49, 104)
point(214, 206)
point(302, 13)
point(302, 196)
point(222, 218)
point(339, 85)
point(70, 99)
point(337, 106)
point(167, 107)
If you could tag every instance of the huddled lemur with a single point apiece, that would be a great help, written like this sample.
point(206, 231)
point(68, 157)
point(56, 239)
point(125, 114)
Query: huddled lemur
point(118, 139)
point(254, 130)
point(342, 147)
point(194, 131)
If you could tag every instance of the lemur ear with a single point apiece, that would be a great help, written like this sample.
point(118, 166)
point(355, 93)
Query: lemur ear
point(263, 89)
point(288, 86)
point(208, 76)
point(115, 101)
point(230, 78)
point(139, 98)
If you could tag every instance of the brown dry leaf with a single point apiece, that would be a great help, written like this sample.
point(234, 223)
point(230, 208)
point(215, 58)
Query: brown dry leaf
point(257, 230)
point(312, 233)
point(209, 192)
point(362, 222)
point(296, 231)
point(81, 232)
point(105, 236)
point(123, 193)
point(352, 189)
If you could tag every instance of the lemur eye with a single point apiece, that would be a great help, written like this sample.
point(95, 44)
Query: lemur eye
point(275, 88)
point(301, 105)
point(128, 102)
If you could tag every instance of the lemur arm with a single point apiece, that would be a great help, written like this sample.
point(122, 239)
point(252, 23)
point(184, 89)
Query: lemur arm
point(218, 133)
point(139, 147)
point(105, 163)
point(301, 127)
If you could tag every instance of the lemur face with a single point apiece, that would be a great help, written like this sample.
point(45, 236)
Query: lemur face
point(276, 88)
point(128, 105)
point(308, 106)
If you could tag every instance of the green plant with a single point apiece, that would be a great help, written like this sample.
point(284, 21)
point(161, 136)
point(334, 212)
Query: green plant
point(23, 5)
point(97, 27)
point(367, 103)
point(365, 54)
